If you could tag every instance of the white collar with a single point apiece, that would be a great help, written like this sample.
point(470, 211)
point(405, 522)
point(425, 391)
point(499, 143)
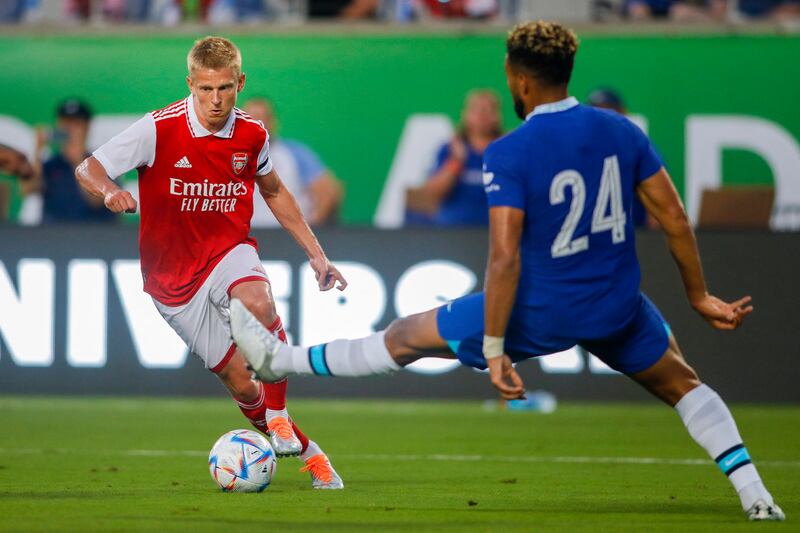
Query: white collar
point(199, 131)
point(554, 107)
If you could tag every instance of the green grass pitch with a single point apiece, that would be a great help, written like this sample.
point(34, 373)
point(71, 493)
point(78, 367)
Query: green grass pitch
point(116, 464)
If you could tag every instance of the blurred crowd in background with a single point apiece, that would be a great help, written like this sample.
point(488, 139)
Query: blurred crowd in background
point(221, 12)
point(451, 195)
point(51, 194)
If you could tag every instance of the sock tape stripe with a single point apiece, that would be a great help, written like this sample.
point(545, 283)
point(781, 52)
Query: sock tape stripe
point(738, 466)
point(734, 460)
point(316, 358)
point(729, 451)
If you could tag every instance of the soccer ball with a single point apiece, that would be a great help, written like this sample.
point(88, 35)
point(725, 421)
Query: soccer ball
point(242, 461)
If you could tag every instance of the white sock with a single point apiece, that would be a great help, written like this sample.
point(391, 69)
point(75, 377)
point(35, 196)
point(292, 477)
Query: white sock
point(711, 425)
point(360, 357)
point(272, 413)
point(312, 450)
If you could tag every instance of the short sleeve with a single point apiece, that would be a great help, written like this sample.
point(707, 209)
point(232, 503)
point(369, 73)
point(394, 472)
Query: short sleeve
point(503, 184)
point(309, 165)
point(264, 160)
point(134, 147)
point(648, 160)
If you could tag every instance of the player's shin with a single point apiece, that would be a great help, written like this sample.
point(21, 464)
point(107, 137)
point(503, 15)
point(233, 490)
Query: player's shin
point(276, 392)
point(711, 425)
point(285, 436)
point(368, 356)
point(255, 411)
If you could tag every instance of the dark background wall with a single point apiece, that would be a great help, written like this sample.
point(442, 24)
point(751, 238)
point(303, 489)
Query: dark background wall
point(758, 363)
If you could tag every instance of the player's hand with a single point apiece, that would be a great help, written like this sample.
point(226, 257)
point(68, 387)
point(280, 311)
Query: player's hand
point(505, 378)
point(458, 150)
point(723, 315)
point(327, 274)
point(120, 201)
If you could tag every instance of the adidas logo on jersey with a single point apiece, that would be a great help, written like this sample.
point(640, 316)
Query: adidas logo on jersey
point(183, 163)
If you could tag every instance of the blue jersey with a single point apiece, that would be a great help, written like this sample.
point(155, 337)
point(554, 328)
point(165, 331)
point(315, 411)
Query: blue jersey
point(465, 204)
point(573, 170)
point(63, 199)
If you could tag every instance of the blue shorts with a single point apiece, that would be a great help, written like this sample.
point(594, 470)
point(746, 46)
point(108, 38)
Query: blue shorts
point(634, 347)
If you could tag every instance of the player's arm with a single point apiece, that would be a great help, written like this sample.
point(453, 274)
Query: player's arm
point(428, 197)
point(441, 183)
point(134, 147)
point(286, 210)
point(502, 277)
point(661, 200)
point(438, 187)
point(94, 180)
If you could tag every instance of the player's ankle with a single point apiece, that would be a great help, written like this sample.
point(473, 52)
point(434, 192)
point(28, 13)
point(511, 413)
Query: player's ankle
point(277, 413)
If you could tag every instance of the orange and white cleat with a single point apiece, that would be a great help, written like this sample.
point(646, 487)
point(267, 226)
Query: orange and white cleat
point(282, 437)
point(323, 476)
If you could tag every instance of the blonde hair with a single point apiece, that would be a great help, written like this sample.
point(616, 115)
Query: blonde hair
point(214, 53)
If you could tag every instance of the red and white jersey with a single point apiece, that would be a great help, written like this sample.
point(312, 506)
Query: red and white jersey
point(195, 192)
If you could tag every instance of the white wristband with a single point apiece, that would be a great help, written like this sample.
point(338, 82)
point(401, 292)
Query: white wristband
point(493, 347)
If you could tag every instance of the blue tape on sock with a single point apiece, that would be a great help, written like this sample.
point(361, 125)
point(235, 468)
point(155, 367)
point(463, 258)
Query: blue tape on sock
point(731, 460)
point(316, 357)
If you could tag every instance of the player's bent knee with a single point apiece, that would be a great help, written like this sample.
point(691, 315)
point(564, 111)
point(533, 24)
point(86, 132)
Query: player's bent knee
point(260, 305)
point(671, 392)
point(682, 385)
point(670, 378)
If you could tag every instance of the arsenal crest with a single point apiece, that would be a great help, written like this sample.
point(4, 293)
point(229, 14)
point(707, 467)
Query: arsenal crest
point(239, 161)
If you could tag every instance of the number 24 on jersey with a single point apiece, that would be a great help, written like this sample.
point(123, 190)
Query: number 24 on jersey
point(608, 215)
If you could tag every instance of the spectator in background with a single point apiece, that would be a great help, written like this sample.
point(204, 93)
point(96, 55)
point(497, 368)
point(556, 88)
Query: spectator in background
point(346, 9)
point(78, 10)
point(239, 11)
point(12, 11)
point(63, 200)
point(707, 10)
point(454, 194)
point(14, 163)
point(677, 10)
point(775, 9)
point(166, 12)
point(605, 98)
point(315, 187)
point(473, 9)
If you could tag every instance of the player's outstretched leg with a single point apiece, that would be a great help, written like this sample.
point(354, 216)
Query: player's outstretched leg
point(403, 342)
point(711, 425)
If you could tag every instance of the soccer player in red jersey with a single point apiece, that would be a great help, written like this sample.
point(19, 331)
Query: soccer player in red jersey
point(199, 160)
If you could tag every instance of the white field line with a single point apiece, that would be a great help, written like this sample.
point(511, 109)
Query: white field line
point(438, 457)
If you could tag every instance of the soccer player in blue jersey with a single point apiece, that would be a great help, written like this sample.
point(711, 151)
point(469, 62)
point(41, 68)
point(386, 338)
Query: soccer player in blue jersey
point(562, 266)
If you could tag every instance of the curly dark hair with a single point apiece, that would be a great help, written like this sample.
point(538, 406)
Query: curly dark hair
point(545, 50)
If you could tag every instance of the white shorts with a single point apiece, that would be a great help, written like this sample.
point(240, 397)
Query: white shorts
point(204, 322)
